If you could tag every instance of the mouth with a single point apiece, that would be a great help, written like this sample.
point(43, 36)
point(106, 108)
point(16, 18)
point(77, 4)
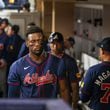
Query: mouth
point(36, 48)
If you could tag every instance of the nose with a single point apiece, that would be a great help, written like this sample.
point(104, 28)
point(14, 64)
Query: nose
point(54, 46)
point(37, 43)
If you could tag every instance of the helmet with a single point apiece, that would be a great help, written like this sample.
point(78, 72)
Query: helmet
point(55, 36)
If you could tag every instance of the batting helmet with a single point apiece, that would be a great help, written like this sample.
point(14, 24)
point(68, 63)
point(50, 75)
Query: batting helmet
point(55, 36)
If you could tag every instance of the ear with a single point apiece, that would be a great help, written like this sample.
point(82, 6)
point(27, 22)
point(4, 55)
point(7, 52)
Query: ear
point(103, 52)
point(13, 32)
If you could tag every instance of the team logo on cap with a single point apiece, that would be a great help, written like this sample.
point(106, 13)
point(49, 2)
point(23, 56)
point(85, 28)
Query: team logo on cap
point(102, 46)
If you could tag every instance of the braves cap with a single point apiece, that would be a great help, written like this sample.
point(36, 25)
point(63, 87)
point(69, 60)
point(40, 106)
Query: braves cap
point(57, 36)
point(105, 44)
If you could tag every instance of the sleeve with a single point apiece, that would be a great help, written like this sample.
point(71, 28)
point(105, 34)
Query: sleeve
point(61, 70)
point(86, 87)
point(13, 82)
point(72, 69)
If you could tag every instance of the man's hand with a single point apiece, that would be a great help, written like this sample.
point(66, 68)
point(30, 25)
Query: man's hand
point(2, 63)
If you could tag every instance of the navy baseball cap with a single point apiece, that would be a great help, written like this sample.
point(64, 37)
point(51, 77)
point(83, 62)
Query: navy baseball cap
point(57, 36)
point(105, 44)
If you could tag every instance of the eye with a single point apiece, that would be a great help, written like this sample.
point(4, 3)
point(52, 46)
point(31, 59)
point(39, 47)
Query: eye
point(36, 41)
point(32, 41)
point(41, 42)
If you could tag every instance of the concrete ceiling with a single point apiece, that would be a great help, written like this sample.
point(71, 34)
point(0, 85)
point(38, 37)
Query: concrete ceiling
point(83, 1)
point(61, 0)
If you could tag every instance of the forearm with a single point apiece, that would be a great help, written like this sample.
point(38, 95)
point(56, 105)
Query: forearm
point(13, 91)
point(75, 94)
point(64, 91)
point(65, 96)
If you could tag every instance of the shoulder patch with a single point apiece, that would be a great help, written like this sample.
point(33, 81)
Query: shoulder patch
point(78, 75)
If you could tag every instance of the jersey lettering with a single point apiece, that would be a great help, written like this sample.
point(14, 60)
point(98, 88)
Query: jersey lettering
point(40, 80)
point(106, 96)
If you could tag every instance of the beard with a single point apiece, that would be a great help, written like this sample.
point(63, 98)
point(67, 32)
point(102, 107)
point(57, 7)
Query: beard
point(38, 52)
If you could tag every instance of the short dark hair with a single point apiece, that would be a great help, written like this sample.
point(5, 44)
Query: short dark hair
point(31, 24)
point(71, 40)
point(34, 29)
point(5, 20)
point(15, 28)
point(0, 20)
point(26, 6)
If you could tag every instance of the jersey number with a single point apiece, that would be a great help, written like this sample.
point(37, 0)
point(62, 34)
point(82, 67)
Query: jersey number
point(106, 96)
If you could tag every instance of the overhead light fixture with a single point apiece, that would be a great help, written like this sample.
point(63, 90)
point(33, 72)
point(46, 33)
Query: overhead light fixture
point(11, 1)
point(79, 21)
point(81, 0)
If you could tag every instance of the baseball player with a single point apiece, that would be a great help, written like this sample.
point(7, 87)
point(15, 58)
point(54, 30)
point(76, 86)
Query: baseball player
point(67, 65)
point(96, 85)
point(35, 75)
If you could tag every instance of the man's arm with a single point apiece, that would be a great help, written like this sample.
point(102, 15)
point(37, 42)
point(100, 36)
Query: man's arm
point(75, 93)
point(13, 91)
point(64, 90)
point(13, 82)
